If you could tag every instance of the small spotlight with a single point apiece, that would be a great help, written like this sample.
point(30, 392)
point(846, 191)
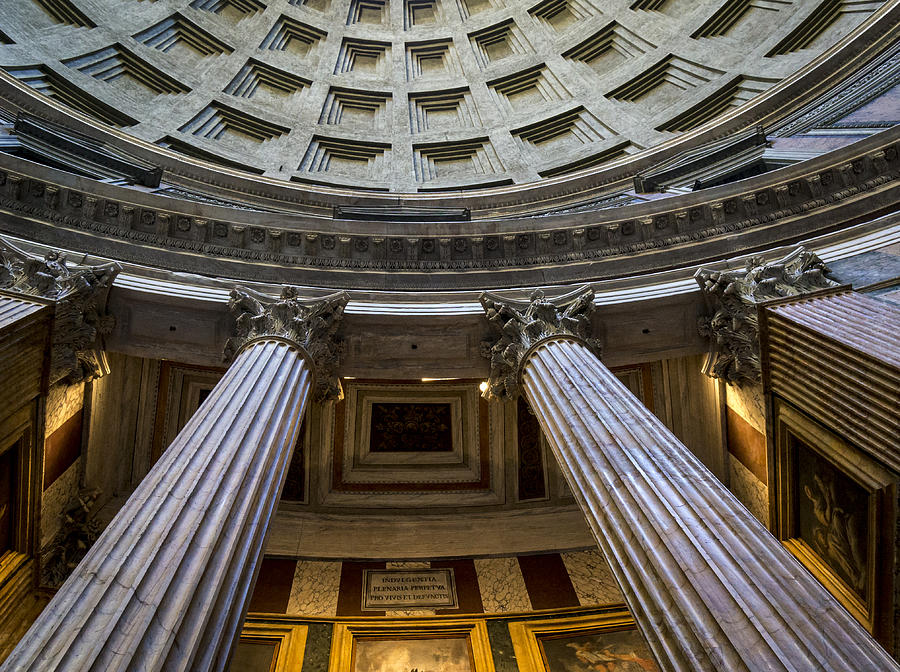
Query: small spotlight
point(483, 386)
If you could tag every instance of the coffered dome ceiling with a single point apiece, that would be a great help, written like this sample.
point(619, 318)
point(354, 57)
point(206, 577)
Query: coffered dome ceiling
point(413, 95)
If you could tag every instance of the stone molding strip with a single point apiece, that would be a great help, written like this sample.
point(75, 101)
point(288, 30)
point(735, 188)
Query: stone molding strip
point(855, 182)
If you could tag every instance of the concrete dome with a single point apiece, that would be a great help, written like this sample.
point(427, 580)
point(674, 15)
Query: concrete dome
point(415, 95)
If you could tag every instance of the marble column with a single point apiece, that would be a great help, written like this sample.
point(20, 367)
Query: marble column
point(709, 587)
point(166, 585)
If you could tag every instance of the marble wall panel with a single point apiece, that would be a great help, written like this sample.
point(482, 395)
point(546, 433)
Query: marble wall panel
point(314, 591)
point(747, 444)
point(749, 490)
point(592, 578)
point(547, 581)
point(62, 448)
point(502, 585)
point(318, 647)
point(55, 499)
point(749, 403)
point(63, 401)
point(272, 591)
point(497, 586)
point(501, 646)
point(748, 455)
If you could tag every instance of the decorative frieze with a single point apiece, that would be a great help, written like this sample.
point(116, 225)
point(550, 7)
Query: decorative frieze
point(733, 296)
point(310, 324)
point(81, 319)
point(609, 238)
point(521, 325)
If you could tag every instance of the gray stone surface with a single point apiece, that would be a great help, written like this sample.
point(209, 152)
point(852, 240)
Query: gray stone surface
point(318, 647)
point(751, 492)
point(315, 93)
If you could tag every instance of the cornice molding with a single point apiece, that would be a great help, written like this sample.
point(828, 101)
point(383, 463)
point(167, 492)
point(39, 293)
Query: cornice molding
point(801, 199)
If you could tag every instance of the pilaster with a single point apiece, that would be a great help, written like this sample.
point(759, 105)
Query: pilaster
point(80, 294)
point(733, 298)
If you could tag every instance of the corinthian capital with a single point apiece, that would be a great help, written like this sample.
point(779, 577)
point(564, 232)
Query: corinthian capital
point(734, 296)
point(310, 324)
point(81, 320)
point(520, 325)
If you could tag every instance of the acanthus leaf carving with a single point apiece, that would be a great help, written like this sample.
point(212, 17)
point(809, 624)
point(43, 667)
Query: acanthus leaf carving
point(311, 324)
point(520, 325)
point(733, 297)
point(81, 319)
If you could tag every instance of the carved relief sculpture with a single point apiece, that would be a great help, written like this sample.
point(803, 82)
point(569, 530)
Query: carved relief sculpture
point(81, 320)
point(833, 514)
point(311, 324)
point(77, 534)
point(838, 535)
point(521, 325)
point(733, 296)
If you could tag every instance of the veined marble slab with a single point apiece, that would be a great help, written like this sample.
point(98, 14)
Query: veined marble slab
point(502, 585)
point(592, 578)
point(749, 490)
point(314, 591)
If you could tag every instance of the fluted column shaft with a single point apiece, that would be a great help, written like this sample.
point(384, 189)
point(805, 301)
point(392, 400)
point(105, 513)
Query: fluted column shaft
point(167, 584)
point(710, 588)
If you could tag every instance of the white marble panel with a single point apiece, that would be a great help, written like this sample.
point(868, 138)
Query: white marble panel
point(750, 491)
point(314, 591)
point(749, 403)
point(502, 585)
point(55, 500)
point(63, 401)
point(592, 578)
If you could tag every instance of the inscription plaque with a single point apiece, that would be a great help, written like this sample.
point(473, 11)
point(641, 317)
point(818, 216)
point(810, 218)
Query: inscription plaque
point(385, 589)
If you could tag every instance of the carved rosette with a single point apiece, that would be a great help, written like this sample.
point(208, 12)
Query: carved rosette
point(81, 319)
point(734, 296)
point(311, 324)
point(521, 325)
